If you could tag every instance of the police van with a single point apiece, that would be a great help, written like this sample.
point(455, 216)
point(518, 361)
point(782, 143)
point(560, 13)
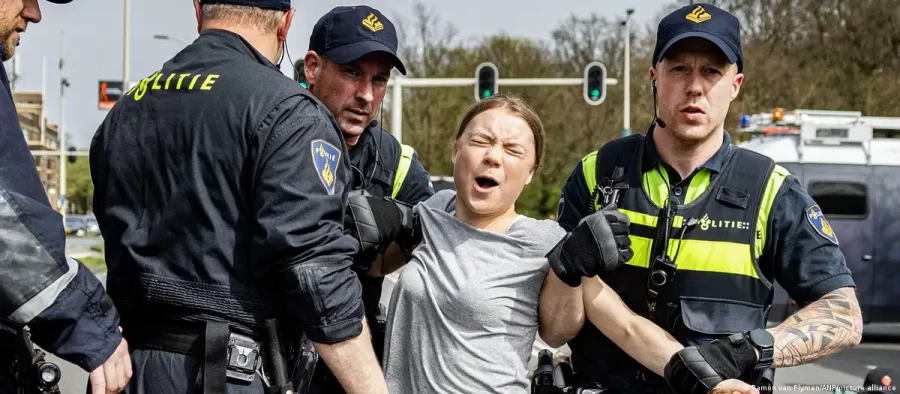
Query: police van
point(850, 165)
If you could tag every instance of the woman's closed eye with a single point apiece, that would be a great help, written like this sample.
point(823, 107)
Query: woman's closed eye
point(515, 150)
point(479, 141)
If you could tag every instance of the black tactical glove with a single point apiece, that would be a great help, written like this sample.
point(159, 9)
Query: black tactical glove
point(697, 369)
point(599, 243)
point(376, 222)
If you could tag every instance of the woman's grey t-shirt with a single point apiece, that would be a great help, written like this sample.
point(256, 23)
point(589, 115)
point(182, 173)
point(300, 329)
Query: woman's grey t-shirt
point(464, 313)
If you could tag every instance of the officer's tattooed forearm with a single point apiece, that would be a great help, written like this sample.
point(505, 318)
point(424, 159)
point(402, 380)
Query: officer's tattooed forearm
point(824, 327)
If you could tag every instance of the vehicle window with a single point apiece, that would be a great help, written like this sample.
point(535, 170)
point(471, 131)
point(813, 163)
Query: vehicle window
point(885, 133)
point(844, 199)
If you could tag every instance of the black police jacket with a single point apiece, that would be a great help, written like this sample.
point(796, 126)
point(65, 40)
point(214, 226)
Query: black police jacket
point(220, 189)
point(60, 300)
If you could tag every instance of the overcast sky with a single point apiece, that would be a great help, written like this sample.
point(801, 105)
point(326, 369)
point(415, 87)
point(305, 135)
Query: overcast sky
point(92, 38)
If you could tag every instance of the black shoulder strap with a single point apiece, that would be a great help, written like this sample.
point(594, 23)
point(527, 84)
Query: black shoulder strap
point(745, 179)
point(744, 185)
point(612, 160)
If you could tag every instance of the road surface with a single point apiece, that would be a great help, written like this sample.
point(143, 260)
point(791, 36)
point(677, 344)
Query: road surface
point(73, 242)
point(848, 368)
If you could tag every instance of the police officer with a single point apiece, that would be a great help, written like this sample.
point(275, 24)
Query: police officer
point(351, 53)
point(63, 304)
point(712, 226)
point(220, 187)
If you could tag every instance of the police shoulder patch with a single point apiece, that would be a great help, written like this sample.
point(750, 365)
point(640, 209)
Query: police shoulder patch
point(326, 159)
point(818, 222)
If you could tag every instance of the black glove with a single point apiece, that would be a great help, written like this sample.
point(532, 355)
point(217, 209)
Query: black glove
point(376, 222)
point(697, 369)
point(599, 243)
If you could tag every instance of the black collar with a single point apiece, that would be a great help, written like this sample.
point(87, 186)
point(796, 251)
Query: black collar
point(229, 40)
point(714, 164)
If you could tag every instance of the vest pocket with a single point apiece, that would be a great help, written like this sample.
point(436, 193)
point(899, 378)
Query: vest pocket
point(384, 177)
point(706, 319)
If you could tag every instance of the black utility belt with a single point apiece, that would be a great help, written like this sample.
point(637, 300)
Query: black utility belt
point(238, 355)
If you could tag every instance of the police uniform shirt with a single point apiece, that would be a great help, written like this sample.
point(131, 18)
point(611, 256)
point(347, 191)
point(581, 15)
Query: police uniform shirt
point(806, 263)
point(220, 189)
point(368, 174)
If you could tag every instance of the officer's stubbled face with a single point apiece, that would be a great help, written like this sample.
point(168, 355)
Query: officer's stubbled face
point(695, 86)
point(14, 16)
point(493, 160)
point(352, 92)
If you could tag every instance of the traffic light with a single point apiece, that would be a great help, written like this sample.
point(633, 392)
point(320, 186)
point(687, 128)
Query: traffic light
point(299, 76)
point(486, 76)
point(594, 83)
point(72, 158)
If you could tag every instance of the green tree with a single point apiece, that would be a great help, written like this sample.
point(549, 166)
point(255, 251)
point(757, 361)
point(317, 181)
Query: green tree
point(79, 187)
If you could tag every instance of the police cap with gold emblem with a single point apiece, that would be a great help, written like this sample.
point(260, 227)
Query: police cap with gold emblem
point(281, 5)
point(348, 33)
point(701, 21)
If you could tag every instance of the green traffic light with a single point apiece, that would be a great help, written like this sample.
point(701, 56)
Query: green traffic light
point(486, 93)
point(595, 93)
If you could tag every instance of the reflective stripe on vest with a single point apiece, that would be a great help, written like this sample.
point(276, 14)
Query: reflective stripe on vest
point(406, 156)
point(694, 255)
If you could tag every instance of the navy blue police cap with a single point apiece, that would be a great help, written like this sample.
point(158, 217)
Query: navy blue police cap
point(347, 33)
point(281, 5)
point(701, 21)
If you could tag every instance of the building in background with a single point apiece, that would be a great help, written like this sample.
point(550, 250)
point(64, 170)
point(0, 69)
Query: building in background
point(29, 105)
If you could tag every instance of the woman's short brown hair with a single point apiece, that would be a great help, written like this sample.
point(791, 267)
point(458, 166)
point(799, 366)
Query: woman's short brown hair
point(514, 106)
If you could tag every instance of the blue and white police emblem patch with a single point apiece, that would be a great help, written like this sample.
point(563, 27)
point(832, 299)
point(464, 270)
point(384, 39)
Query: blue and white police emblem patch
point(326, 158)
point(820, 224)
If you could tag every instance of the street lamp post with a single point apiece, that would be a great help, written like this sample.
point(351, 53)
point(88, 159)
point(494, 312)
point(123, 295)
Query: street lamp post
point(126, 49)
point(626, 121)
point(61, 133)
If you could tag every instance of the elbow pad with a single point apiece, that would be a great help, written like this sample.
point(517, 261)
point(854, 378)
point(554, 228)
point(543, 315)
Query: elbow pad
point(376, 222)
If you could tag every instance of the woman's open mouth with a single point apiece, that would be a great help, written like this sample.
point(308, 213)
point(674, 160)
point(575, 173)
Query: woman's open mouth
point(485, 183)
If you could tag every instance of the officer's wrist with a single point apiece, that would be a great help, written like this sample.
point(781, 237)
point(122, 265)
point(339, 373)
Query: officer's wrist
point(563, 269)
point(762, 342)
